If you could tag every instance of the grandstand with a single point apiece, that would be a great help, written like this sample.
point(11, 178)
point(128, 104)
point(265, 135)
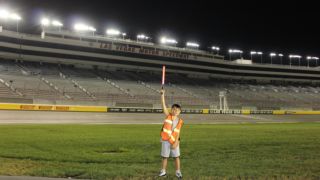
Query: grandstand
point(76, 69)
point(46, 83)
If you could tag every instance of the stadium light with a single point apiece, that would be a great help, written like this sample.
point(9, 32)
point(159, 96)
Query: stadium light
point(123, 35)
point(45, 22)
point(232, 51)
point(4, 14)
point(292, 56)
point(312, 58)
point(252, 53)
point(216, 48)
point(280, 55)
point(7, 15)
point(235, 51)
point(56, 23)
point(112, 32)
point(256, 53)
point(272, 55)
point(84, 28)
point(142, 37)
point(15, 16)
point(92, 29)
point(165, 40)
point(192, 45)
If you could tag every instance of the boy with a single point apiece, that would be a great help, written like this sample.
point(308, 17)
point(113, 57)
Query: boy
point(170, 134)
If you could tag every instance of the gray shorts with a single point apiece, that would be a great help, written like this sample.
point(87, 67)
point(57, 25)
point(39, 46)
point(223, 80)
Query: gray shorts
point(166, 150)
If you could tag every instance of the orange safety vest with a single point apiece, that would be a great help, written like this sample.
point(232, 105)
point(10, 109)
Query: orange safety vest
point(166, 131)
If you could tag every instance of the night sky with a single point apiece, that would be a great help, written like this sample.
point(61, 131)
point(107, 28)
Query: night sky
point(262, 25)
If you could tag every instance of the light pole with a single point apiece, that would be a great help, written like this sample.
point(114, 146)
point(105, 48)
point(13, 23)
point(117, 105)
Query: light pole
point(232, 51)
point(312, 58)
point(272, 55)
point(280, 55)
point(57, 24)
point(290, 56)
point(123, 35)
point(45, 22)
point(17, 18)
point(84, 28)
point(7, 15)
point(252, 53)
point(92, 29)
point(260, 53)
point(256, 53)
point(294, 56)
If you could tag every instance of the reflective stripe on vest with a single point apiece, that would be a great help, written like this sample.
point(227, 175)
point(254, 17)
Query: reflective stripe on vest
point(172, 138)
point(167, 131)
point(168, 121)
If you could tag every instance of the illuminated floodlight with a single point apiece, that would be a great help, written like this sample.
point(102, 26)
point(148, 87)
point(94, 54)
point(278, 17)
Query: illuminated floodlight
point(192, 44)
point(256, 52)
point(142, 37)
point(15, 16)
point(280, 55)
point(273, 54)
point(165, 40)
point(45, 22)
point(215, 48)
point(90, 28)
point(113, 32)
point(56, 23)
point(294, 56)
point(235, 51)
point(4, 14)
point(312, 58)
point(83, 27)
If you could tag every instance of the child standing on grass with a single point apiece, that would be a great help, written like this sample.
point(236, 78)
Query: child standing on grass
point(170, 136)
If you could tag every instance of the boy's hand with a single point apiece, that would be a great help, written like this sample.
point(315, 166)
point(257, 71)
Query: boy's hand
point(175, 144)
point(162, 91)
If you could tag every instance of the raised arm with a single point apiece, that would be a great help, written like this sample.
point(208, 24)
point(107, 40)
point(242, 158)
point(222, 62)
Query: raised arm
point(163, 102)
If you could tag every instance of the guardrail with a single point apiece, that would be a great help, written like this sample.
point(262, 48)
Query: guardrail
point(44, 107)
point(105, 109)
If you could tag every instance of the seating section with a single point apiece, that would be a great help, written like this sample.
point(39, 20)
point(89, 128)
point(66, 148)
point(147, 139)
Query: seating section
point(54, 83)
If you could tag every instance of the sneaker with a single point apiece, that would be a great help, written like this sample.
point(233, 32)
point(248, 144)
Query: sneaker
point(162, 173)
point(179, 175)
